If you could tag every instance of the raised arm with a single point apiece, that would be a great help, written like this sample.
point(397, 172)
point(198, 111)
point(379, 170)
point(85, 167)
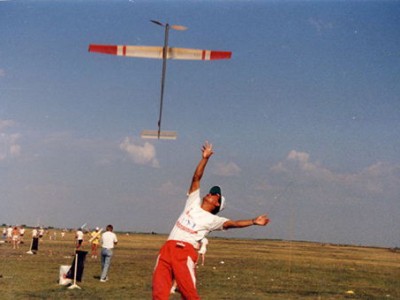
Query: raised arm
point(207, 151)
point(260, 221)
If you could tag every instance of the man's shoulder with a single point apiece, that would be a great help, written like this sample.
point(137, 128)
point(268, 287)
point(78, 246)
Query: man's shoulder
point(109, 233)
point(194, 196)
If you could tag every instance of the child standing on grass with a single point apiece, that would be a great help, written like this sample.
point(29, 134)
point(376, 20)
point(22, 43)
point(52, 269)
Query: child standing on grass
point(15, 237)
point(202, 251)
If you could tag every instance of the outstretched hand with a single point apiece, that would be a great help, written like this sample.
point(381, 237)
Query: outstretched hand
point(198, 173)
point(207, 150)
point(261, 220)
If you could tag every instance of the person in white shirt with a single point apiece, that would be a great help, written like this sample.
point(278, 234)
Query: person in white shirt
point(21, 234)
point(202, 251)
point(178, 256)
point(108, 241)
point(9, 234)
point(34, 232)
point(41, 232)
point(79, 238)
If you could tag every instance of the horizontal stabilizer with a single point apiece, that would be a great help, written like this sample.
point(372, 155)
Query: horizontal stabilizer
point(157, 52)
point(162, 135)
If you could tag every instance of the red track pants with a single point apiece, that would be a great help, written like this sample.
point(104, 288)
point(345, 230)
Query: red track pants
point(175, 261)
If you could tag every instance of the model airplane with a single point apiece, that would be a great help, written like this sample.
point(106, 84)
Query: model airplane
point(163, 53)
point(96, 235)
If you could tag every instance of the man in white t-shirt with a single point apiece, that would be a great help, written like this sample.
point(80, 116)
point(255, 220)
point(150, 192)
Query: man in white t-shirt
point(79, 238)
point(178, 256)
point(9, 233)
point(34, 232)
point(108, 241)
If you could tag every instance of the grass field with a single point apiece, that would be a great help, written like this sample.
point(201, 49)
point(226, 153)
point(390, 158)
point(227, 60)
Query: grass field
point(234, 269)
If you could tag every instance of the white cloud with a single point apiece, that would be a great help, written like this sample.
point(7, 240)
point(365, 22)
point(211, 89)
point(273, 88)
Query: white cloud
point(9, 146)
point(4, 124)
point(227, 169)
point(15, 149)
point(377, 179)
point(140, 154)
point(299, 162)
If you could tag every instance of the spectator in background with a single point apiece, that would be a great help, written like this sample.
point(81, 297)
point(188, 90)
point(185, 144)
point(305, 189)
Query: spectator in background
point(9, 233)
point(202, 251)
point(95, 238)
point(35, 233)
point(108, 241)
point(15, 237)
point(21, 234)
point(41, 232)
point(79, 238)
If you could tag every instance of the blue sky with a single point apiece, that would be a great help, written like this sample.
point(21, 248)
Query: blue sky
point(304, 118)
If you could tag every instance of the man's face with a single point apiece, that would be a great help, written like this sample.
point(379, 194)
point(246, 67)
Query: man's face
point(213, 199)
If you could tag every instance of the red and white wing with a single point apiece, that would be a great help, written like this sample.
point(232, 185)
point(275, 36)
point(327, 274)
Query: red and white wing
point(197, 54)
point(157, 52)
